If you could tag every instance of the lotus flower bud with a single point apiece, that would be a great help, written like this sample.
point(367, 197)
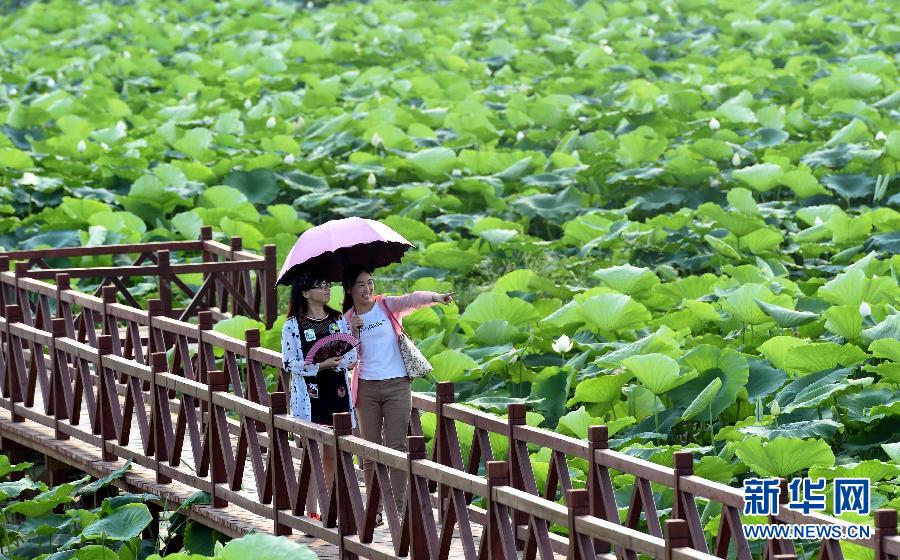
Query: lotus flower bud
point(377, 95)
point(818, 221)
point(298, 124)
point(270, 123)
point(607, 49)
point(376, 140)
point(104, 145)
point(714, 123)
point(735, 159)
point(126, 55)
point(289, 159)
point(576, 155)
point(309, 5)
point(774, 408)
point(247, 104)
point(515, 356)
point(372, 181)
point(51, 82)
point(13, 91)
point(121, 127)
point(865, 309)
point(562, 344)
point(520, 136)
point(881, 135)
point(29, 178)
point(81, 146)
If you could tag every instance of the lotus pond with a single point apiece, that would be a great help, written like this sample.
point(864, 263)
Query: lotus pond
point(676, 218)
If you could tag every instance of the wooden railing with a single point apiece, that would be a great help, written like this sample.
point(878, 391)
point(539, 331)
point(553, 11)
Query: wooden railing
point(202, 415)
point(231, 276)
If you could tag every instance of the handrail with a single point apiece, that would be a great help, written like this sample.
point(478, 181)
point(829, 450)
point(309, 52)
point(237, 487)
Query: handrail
point(213, 397)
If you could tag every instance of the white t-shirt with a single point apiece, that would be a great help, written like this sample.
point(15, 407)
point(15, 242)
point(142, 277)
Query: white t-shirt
point(380, 352)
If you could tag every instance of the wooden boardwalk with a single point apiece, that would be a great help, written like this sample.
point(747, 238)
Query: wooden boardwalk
point(95, 381)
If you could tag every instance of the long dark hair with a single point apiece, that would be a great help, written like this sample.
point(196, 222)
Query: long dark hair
point(351, 273)
point(299, 305)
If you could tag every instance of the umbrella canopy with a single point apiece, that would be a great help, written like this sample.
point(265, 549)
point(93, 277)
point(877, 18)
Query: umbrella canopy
point(337, 244)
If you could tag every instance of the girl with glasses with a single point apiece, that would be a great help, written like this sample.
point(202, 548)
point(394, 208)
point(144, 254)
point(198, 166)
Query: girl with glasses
point(319, 389)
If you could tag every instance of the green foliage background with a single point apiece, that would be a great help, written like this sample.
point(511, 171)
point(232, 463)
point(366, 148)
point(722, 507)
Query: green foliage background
point(699, 195)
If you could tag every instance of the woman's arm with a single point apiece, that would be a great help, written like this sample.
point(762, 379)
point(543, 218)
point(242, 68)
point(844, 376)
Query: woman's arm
point(401, 306)
point(292, 354)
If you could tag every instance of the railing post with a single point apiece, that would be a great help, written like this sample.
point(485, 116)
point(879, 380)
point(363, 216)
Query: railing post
point(581, 547)
point(599, 485)
point(414, 518)
point(677, 536)
point(20, 268)
point(885, 528)
point(444, 394)
point(346, 524)
point(777, 547)
point(279, 458)
point(515, 416)
point(105, 425)
point(270, 294)
point(155, 342)
point(159, 402)
point(59, 380)
point(164, 281)
point(208, 257)
point(205, 357)
point(63, 308)
point(256, 384)
point(217, 471)
point(685, 507)
point(13, 387)
point(500, 540)
point(236, 244)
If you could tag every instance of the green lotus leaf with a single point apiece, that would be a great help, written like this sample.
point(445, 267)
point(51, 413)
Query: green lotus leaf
point(630, 280)
point(784, 317)
point(497, 332)
point(761, 177)
point(448, 255)
point(657, 372)
point(741, 303)
point(807, 358)
point(704, 400)
point(804, 429)
point(602, 389)
point(886, 348)
point(95, 552)
point(451, 365)
point(663, 341)
point(639, 146)
point(577, 422)
point(809, 391)
point(844, 321)
point(614, 312)
point(13, 489)
point(872, 470)
point(6, 467)
point(260, 546)
point(782, 456)
point(123, 523)
point(491, 305)
point(711, 362)
point(888, 329)
point(433, 162)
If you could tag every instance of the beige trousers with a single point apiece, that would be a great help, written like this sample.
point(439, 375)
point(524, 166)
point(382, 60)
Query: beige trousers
point(382, 410)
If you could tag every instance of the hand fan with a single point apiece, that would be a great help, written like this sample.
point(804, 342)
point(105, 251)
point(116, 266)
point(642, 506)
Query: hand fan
point(336, 344)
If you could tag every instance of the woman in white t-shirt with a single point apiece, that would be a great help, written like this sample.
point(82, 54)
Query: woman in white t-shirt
point(379, 386)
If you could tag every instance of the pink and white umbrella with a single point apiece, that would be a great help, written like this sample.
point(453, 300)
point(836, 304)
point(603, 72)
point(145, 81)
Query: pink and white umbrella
point(337, 244)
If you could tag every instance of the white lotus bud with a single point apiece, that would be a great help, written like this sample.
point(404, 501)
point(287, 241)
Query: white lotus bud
point(270, 123)
point(735, 159)
point(714, 182)
point(51, 82)
point(487, 71)
point(818, 221)
point(81, 146)
point(309, 5)
point(376, 140)
point(119, 25)
point(515, 356)
point(865, 309)
point(13, 91)
point(372, 181)
point(456, 173)
point(247, 104)
point(576, 155)
point(104, 145)
point(121, 127)
point(126, 55)
point(29, 178)
point(289, 159)
point(377, 95)
point(376, 41)
point(562, 344)
point(298, 124)
point(607, 49)
point(356, 48)
point(775, 409)
point(520, 136)
point(881, 135)
point(651, 32)
point(714, 123)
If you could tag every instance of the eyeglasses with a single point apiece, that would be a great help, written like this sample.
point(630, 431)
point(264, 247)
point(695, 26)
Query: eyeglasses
point(322, 286)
